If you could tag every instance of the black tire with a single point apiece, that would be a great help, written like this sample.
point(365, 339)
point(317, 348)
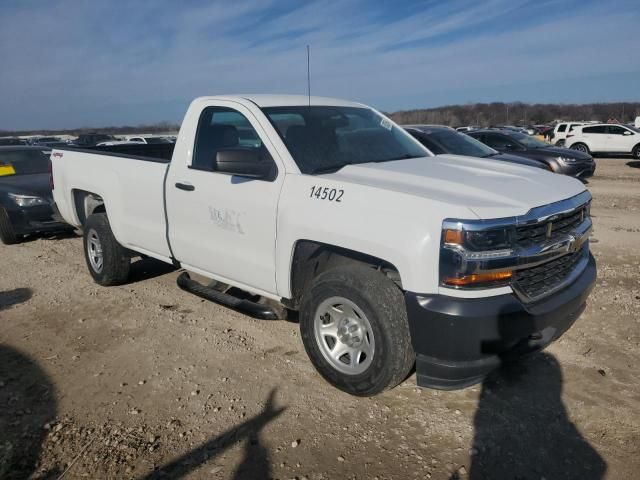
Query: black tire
point(581, 147)
point(560, 143)
point(382, 302)
point(636, 152)
point(8, 235)
point(115, 263)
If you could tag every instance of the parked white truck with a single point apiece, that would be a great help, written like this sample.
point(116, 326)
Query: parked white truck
point(393, 257)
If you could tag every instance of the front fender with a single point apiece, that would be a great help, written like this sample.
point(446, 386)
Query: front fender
point(399, 228)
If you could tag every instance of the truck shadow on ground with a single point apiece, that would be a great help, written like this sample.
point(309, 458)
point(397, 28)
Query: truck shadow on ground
point(50, 236)
point(14, 297)
point(255, 463)
point(148, 268)
point(27, 403)
point(522, 429)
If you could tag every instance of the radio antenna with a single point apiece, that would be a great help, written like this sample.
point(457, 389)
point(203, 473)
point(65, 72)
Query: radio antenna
point(308, 76)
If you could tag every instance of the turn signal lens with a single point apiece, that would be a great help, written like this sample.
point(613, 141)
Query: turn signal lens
point(478, 278)
point(454, 237)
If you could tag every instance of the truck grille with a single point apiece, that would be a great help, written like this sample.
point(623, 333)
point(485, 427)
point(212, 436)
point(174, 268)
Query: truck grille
point(542, 279)
point(529, 235)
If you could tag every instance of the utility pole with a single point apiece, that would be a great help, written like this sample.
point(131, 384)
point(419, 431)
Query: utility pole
point(507, 105)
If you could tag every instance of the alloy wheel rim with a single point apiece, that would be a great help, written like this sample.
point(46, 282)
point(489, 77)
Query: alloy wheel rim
point(344, 335)
point(94, 251)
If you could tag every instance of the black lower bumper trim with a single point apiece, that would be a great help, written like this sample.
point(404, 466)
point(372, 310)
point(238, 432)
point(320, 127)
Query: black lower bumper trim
point(458, 341)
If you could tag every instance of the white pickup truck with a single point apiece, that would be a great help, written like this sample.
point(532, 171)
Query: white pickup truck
point(393, 257)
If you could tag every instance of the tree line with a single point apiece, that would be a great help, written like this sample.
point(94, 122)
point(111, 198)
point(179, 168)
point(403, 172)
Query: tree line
point(160, 127)
point(478, 114)
point(518, 113)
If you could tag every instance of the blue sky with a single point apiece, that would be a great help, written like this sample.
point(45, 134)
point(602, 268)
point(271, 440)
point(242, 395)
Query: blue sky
point(92, 63)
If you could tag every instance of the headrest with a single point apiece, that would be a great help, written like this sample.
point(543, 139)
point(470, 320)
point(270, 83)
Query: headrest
point(224, 136)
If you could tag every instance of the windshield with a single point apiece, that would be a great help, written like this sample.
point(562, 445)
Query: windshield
point(528, 141)
point(322, 139)
point(26, 162)
point(460, 144)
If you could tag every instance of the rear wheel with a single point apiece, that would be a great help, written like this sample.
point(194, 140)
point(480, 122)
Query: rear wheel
point(560, 143)
point(107, 260)
point(580, 147)
point(353, 323)
point(8, 235)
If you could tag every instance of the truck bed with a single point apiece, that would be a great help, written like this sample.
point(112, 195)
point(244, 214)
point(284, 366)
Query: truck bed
point(129, 179)
point(159, 152)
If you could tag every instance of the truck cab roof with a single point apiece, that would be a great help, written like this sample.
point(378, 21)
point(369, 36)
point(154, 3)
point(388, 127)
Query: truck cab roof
point(274, 100)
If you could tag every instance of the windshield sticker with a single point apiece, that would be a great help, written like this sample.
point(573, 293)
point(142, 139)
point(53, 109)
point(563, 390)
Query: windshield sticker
point(384, 123)
point(7, 170)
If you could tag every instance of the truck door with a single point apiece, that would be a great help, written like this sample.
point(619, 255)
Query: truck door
point(220, 225)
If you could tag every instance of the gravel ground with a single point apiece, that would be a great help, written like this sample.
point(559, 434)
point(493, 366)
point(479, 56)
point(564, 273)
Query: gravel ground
point(148, 381)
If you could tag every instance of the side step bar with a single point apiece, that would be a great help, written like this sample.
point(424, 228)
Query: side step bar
point(253, 309)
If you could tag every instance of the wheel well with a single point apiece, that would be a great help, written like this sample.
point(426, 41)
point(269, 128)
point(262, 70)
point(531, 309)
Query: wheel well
point(311, 258)
point(87, 203)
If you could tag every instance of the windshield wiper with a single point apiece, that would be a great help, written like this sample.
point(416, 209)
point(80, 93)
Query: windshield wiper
point(406, 156)
point(329, 168)
point(335, 168)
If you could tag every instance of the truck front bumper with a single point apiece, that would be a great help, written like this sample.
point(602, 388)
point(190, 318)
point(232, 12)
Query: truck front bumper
point(458, 341)
point(579, 170)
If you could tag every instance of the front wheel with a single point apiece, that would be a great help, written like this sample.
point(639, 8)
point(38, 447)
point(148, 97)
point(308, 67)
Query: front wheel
point(354, 327)
point(8, 235)
point(107, 260)
point(580, 147)
point(636, 152)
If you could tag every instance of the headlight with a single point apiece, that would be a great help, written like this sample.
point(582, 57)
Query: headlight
point(461, 248)
point(567, 160)
point(28, 200)
point(479, 241)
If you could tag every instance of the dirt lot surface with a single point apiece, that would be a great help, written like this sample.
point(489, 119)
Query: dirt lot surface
point(148, 381)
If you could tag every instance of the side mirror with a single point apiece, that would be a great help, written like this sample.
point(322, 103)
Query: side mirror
point(510, 146)
point(243, 162)
point(627, 132)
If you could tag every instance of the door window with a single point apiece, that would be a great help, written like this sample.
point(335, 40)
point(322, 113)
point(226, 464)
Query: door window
point(221, 128)
point(431, 145)
point(499, 142)
point(616, 130)
point(596, 129)
point(562, 127)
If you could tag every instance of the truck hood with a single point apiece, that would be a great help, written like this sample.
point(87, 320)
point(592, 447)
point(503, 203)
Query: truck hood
point(490, 189)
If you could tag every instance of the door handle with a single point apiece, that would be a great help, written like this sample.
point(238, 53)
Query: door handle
point(185, 186)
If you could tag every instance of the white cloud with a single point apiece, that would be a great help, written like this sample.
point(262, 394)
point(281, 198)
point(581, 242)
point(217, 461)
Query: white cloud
point(69, 63)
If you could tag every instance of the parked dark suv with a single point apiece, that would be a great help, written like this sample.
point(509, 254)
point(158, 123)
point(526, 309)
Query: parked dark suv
point(560, 160)
point(26, 201)
point(440, 140)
